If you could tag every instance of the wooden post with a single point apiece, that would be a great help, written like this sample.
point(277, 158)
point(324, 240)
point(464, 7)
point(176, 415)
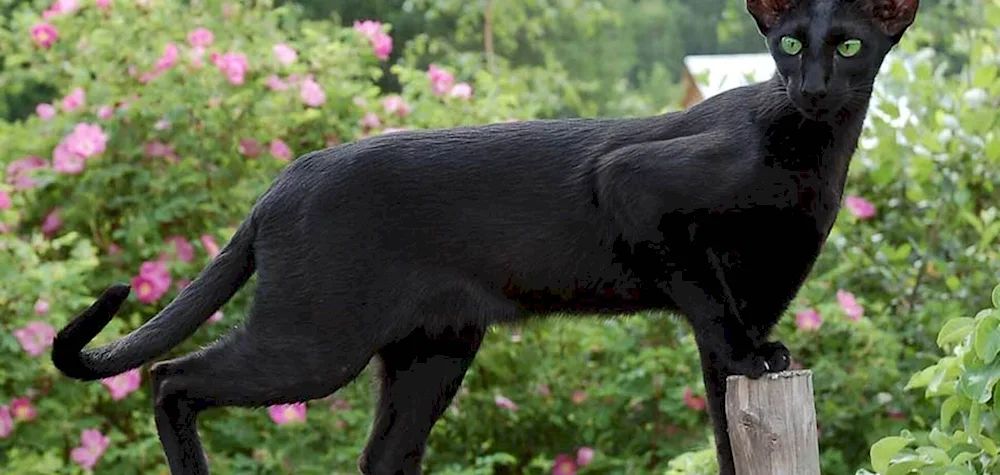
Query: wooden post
point(772, 424)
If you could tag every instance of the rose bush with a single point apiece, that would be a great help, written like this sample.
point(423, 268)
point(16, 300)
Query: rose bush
point(167, 122)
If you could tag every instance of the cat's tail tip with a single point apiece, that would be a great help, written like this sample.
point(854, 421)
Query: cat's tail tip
point(70, 341)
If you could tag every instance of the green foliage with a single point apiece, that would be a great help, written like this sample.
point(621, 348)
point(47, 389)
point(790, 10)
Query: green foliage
point(963, 439)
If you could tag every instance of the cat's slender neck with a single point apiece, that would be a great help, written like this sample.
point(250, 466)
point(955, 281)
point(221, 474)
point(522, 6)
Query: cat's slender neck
point(798, 141)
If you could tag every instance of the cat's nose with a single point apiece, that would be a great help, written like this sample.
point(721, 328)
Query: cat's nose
point(814, 91)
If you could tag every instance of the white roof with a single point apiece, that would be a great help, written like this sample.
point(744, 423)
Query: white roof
point(727, 71)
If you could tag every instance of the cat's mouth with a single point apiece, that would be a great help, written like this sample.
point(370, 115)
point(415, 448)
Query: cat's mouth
point(815, 109)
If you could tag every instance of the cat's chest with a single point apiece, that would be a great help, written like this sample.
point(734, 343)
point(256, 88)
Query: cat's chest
point(791, 220)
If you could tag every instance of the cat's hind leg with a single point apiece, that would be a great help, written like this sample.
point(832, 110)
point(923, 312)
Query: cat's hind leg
point(252, 366)
point(420, 376)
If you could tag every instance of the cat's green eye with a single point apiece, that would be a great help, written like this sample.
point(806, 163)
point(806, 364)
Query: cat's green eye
point(849, 48)
point(790, 45)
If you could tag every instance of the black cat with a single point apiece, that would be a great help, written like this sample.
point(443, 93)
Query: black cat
point(408, 246)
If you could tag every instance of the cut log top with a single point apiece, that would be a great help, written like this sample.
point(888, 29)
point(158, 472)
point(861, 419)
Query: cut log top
point(772, 424)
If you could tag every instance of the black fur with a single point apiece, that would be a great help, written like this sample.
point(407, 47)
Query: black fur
point(408, 246)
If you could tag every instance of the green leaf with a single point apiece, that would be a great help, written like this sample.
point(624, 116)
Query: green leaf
point(954, 330)
point(988, 445)
point(884, 450)
point(922, 378)
point(934, 455)
point(996, 297)
point(986, 341)
point(948, 409)
point(975, 421)
point(977, 382)
point(941, 439)
point(905, 465)
point(984, 76)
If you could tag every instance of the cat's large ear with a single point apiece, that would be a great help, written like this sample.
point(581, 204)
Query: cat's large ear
point(893, 17)
point(767, 12)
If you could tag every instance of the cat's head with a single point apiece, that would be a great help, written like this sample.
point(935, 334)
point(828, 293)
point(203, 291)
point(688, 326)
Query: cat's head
point(829, 51)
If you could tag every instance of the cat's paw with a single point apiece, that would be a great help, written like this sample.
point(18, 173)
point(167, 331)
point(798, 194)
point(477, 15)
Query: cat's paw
point(776, 355)
point(771, 357)
point(752, 366)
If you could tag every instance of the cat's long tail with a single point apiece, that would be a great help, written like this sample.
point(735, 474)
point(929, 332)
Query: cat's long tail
point(216, 284)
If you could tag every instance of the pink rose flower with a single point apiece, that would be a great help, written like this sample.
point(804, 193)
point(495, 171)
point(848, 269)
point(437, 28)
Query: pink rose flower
point(86, 140)
point(183, 248)
point(45, 111)
point(35, 337)
point(584, 455)
point(200, 38)
point(849, 304)
point(504, 403)
point(564, 465)
point(19, 171)
point(275, 83)
point(693, 401)
point(5, 201)
point(166, 61)
point(42, 306)
point(285, 54)
point(395, 105)
point(74, 100)
point(368, 28)
point(44, 34)
point(249, 147)
point(382, 46)
point(216, 317)
point(6, 422)
point(441, 80)
point(578, 397)
point(280, 150)
point(105, 112)
point(159, 149)
point(808, 320)
point(51, 223)
point(22, 410)
point(61, 7)
point(211, 247)
point(122, 385)
point(371, 121)
point(380, 42)
point(311, 92)
point(860, 207)
point(92, 446)
point(283, 414)
point(64, 161)
point(169, 57)
point(158, 272)
point(233, 65)
point(146, 290)
point(103, 4)
point(461, 90)
point(152, 282)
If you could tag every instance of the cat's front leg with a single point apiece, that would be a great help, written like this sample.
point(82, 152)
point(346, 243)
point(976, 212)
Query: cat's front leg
point(726, 347)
